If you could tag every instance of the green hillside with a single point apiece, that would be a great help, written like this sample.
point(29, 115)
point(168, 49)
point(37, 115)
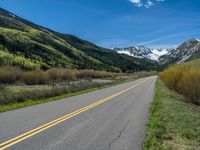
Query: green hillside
point(39, 47)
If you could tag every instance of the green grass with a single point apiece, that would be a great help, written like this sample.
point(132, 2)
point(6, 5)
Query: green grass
point(4, 108)
point(175, 124)
point(8, 107)
point(15, 89)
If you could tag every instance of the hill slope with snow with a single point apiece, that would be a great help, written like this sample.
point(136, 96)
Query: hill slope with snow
point(186, 51)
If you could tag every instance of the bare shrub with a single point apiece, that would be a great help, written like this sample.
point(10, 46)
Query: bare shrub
point(35, 77)
point(189, 85)
point(185, 79)
point(56, 73)
point(69, 74)
point(172, 76)
point(90, 74)
point(104, 74)
point(85, 74)
point(9, 74)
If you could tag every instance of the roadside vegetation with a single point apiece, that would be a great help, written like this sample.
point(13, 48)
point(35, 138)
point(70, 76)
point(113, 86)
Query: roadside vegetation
point(175, 112)
point(13, 75)
point(22, 96)
point(184, 79)
point(20, 88)
point(174, 123)
point(17, 85)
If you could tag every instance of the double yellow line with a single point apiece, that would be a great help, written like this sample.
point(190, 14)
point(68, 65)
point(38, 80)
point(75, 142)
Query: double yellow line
point(48, 125)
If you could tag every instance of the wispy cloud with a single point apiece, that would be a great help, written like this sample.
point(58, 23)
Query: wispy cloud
point(145, 3)
point(190, 32)
point(159, 42)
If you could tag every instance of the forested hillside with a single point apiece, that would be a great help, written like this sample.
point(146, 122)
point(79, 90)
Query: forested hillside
point(30, 46)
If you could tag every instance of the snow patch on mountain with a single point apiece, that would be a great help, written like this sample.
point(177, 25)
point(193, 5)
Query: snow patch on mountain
point(12, 15)
point(125, 52)
point(156, 53)
point(160, 52)
point(143, 52)
point(177, 54)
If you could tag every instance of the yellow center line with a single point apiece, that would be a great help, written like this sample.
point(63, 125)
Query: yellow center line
point(48, 125)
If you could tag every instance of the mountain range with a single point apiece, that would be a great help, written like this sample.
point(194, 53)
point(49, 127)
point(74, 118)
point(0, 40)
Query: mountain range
point(143, 52)
point(186, 51)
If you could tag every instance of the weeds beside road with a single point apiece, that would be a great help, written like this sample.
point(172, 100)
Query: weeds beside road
point(17, 97)
point(20, 88)
point(174, 124)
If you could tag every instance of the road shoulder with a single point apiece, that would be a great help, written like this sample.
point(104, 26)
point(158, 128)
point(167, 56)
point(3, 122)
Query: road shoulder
point(174, 123)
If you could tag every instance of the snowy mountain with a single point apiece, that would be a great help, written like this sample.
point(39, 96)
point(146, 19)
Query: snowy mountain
point(186, 51)
point(143, 52)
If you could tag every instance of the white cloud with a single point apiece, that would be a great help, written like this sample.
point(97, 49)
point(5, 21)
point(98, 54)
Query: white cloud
point(137, 3)
point(145, 3)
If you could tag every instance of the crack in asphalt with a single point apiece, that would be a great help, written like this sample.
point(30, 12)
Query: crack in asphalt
point(119, 135)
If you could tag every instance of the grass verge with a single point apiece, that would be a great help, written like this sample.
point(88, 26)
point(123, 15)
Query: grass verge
point(13, 106)
point(174, 124)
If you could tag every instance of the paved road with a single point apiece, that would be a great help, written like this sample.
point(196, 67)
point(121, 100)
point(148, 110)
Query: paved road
point(108, 119)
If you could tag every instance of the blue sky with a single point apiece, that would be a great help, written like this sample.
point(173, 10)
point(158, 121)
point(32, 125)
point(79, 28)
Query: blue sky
point(115, 23)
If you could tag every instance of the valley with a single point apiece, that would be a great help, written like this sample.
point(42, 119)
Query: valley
point(60, 91)
point(30, 46)
point(39, 47)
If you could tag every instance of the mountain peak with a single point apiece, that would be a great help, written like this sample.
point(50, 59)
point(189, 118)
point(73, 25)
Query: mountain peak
point(186, 51)
point(198, 40)
point(192, 40)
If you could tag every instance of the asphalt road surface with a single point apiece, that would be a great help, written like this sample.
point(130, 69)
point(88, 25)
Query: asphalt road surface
point(113, 118)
